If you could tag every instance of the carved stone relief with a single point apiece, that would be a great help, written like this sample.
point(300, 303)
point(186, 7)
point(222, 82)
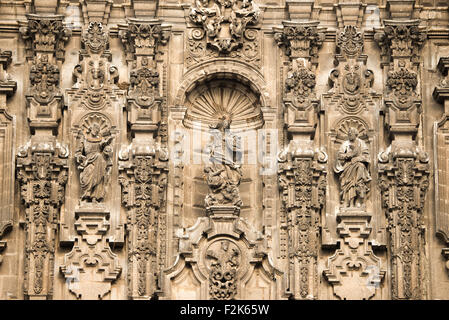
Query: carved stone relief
point(228, 28)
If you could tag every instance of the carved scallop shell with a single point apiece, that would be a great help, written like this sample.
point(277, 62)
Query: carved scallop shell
point(209, 102)
point(342, 128)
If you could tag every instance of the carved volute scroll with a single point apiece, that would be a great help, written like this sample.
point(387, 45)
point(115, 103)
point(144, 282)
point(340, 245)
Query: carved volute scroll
point(404, 173)
point(7, 141)
point(440, 136)
point(92, 219)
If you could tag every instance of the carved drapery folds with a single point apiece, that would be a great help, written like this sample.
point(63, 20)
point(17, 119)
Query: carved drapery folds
point(223, 173)
point(226, 28)
point(404, 168)
point(440, 138)
point(42, 174)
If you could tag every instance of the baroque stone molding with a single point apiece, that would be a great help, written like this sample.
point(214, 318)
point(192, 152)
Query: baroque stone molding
point(354, 271)
point(91, 266)
point(224, 254)
point(42, 174)
point(440, 134)
point(226, 29)
point(7, 142)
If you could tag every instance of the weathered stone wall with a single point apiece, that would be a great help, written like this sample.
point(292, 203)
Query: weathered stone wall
point(224, 149)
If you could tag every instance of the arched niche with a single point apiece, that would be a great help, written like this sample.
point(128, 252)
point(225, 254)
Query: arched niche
point(205, 101)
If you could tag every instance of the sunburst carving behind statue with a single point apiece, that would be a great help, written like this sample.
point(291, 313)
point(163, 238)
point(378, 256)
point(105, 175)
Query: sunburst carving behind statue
point(211, 101)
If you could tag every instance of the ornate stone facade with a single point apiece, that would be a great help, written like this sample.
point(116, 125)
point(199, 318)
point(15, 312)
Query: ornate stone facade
point(224, 149)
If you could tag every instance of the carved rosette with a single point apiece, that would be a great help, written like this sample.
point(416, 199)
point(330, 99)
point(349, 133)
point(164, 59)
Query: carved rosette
point(42, 174)
point(404, 180)
point(227, 28)
point(143, 177)
point(302, 182)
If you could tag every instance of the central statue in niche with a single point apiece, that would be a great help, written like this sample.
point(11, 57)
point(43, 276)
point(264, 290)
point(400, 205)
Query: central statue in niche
point(352, 164)
point(223, 173)
point(93, 156)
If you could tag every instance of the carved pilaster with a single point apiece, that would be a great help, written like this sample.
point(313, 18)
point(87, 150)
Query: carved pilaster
point(7, 142)
point(440, 136)
point(141, 39)
point(404, 180)
point(93, 120)
point(302, 179)
point(403, 168)
point(42, 174)
point(143, 179)
point(302, 173)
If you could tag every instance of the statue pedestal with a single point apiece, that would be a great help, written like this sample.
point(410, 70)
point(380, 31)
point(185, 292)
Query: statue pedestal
point(223, 221)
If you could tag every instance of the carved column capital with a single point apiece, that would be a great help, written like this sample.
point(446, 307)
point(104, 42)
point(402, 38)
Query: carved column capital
point(300, 39)
point(45, 34)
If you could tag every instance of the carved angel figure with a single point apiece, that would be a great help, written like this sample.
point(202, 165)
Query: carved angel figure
point(352, 164)
point(93, 156)
point(223, 174)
